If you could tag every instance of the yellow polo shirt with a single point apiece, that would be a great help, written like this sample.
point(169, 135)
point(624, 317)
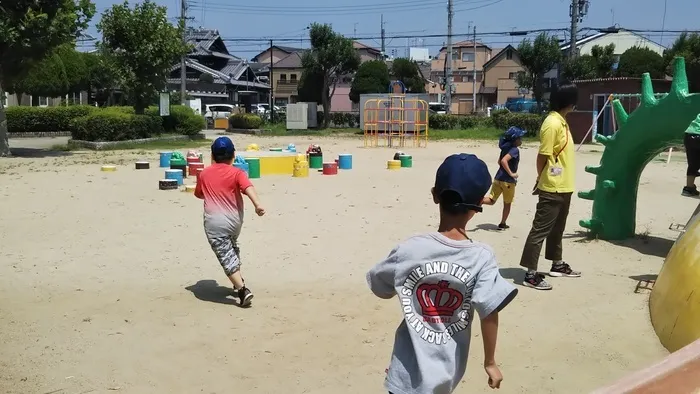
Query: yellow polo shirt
point(557, 143)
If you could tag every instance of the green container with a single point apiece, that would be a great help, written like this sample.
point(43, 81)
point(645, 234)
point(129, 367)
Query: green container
point(406, 161)
point(201, 158)
point(315, 161)
point(253, 167)
point(275, 149)
point(178, 162)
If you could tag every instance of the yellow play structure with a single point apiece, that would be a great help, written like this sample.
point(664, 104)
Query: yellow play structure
point(391, 121)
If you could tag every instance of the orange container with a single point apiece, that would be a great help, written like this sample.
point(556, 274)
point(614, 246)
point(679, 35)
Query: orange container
point(330, 168)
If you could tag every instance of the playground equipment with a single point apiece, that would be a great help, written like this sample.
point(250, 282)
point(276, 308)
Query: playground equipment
point(674, 304)
point(142, 165)
point(271, 162)
point(652, 127)
point(396, 119)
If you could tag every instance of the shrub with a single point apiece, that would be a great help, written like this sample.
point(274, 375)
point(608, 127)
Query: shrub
point(528, 122)
point(443, 122)
point(182, 120)
point(345, 119)
point(245, 121)
point(114, 126)
point(38, 119)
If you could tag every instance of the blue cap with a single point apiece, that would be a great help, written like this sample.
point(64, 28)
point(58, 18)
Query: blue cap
point(222, 146)
point(513, 133)
point(466, 175)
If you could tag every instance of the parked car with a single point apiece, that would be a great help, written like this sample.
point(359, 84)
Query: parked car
point(263, 108)
point(217, 111)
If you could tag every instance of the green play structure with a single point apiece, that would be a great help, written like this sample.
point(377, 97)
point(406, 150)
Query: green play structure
point(654, 126)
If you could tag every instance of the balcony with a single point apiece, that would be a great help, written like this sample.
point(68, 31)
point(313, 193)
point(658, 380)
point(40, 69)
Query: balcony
point(286, 87)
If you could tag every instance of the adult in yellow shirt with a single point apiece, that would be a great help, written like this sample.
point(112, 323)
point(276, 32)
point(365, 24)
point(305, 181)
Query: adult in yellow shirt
point(555, 185)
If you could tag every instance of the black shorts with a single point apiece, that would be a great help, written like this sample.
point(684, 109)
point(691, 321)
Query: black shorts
point(691, 142)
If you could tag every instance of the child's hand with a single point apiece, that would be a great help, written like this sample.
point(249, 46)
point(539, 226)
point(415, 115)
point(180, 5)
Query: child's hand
point(495, 376)
point(260, 211)
point(515, 175)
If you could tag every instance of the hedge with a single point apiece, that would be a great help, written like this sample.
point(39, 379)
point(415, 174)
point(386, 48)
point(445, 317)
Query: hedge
point(182, 120)
point(504, 119)
point(452, 122)
point(245, 121)
point(114, 126)
point(50, 119)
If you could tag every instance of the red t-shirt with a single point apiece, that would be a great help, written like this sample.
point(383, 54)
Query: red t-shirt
point(221, 185)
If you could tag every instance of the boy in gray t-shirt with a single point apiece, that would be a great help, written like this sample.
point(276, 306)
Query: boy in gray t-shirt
point(440, 278)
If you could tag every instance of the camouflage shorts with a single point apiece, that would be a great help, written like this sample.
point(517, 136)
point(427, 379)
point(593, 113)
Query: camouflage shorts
point(227, 251)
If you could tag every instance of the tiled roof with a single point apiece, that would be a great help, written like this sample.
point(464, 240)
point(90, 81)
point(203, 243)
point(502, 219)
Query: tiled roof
point(359, 45)
point(221, 77)
point(466, 44)
point(202, 40)
point(281, 48)
point(293, 60)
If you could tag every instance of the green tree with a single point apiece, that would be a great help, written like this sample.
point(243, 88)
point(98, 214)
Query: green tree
point(46, 78)
point(310, 85)
point(332, 56)
point(686, 46)
point(637, 60)
point(29, 31)
point(604, 60)
point(371, 77)
point(103, 77)
point(580, 67)
point(77, 73)
point(407, 71)
point(143, 45)
point(538, 58)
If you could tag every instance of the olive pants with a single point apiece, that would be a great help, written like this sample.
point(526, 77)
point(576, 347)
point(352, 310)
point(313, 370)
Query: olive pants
point(549, 224)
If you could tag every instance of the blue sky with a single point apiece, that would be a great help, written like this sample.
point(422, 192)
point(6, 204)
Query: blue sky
point(255, 22)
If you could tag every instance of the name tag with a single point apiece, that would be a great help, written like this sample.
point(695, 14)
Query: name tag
point(555, 171)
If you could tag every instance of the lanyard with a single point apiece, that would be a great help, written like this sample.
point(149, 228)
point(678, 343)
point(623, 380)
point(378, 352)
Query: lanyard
point(556, 157)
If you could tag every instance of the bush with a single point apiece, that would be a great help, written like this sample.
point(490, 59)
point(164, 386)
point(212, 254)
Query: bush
point(182, 120)
point(245, 121)
point(528, 122)
point(114, 126)
point(345, 119)
point(39, 120)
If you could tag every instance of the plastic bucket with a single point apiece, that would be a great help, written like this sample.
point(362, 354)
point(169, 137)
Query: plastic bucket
point(330, 168)
point(253, 167)
point(243, 167)
point(301, 169)
point(345, 161)
point(165, 159)
point(182, 167)
point(406, 161)
point(174, 174)
point(315, 161)
point(393, 164)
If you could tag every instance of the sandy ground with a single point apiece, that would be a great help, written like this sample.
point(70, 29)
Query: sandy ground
point(108, 284)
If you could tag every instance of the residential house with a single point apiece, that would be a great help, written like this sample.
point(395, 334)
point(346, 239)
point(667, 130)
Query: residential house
point(232, 79)
point(465, 58)
point(367, 52)
point(500, 74)
point(274, 53)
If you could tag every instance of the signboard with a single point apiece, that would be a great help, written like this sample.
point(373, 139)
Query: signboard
point(164, 104)
point(523, 91)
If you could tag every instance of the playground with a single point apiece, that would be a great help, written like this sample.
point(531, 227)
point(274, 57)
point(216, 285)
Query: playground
point(108, 284)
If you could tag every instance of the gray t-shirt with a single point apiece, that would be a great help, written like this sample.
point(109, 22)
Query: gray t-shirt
point(439, 282)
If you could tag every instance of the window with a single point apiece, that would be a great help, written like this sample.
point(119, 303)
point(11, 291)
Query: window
point(467, 56)
point(455, 55)
point(457, 78)
point(283, 77)
point(512, 75)
point(293, 77)
point(468, 78)
point(43, 101)
point(509, 55)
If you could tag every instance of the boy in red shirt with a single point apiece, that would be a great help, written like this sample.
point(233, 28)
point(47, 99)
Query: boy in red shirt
point(221, 186)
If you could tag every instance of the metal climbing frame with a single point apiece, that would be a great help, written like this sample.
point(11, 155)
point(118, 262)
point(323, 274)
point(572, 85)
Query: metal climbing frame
point(396, 119)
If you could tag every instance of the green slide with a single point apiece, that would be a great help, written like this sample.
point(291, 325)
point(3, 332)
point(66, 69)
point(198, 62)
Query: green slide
point(651, 128)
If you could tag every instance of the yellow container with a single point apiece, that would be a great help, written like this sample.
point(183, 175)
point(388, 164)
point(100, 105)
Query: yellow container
point(252, 148)
point(301, 157)
point(301, 169)
point(221, 124)
point(108, 168)
point(189, 188)
point(674, 304)
point(393, 164)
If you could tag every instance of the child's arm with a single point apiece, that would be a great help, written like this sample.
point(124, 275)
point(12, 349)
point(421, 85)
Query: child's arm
point(381, 277)
point(253, 196)
point(198, 191)
point(489, 330)
point(506, 167)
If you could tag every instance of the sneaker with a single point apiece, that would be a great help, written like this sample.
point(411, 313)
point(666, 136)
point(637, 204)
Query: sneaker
point(503, 226)
point(690, 191)
point(563, 270)
point(245, 296)
point(536, 281)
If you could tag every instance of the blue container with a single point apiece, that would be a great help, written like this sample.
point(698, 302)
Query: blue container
point(243, 166)
point(174, 174)
point(292, 148)
point(345, 161)
point(165, 159)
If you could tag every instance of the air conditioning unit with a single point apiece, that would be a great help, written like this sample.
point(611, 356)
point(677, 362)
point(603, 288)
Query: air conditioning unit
point(302, 116)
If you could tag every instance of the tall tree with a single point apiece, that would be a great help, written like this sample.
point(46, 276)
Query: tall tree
point(29, 30)
point(639, 60)
point(686, 46)
point(538, 58)
point(77, 73)
point(604, 60)
point(309, 88)
point(407, 71)
point(580, 67)
point(332, 56)
point(143, 45)
point(45, 78)
point(371, 77)
point(103, 77)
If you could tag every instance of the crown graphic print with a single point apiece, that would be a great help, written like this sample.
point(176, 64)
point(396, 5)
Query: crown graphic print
point(438, 299)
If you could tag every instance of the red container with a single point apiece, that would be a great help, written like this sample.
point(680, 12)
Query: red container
point(199, 171)
point(191, 160)
point(336, 162)
point(193, 167)
point(330, 168)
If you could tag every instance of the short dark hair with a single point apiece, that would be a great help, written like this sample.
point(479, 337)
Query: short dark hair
point(565, 95)
point(224, 157)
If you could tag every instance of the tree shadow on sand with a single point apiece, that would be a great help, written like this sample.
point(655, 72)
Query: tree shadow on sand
point(36, 153)
point(643, 243)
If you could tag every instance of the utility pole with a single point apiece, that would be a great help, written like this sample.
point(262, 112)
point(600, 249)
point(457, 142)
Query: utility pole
point(474, 74)
point(354, 30)
point(183, 65)
point(272, 86)
point(448, 60)
point(383, 45)
point(574, 28)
